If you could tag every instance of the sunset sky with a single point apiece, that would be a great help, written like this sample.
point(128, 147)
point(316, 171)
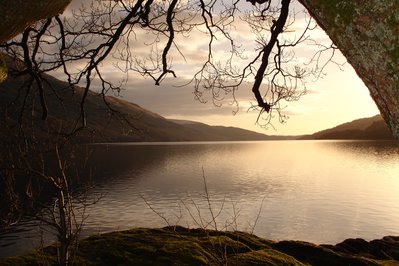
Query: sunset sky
point(338, 97)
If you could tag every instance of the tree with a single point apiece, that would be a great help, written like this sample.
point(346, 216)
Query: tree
point(43, 173)
point(65, 214)
point(366, 33)
point(18, 14)
point(46, 183)
point(93, 35)
point(334, 17)
point(106, 30)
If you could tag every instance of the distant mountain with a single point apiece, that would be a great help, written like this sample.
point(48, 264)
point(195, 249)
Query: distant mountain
point(201, 131)
point(130, 122)
point(364, 128)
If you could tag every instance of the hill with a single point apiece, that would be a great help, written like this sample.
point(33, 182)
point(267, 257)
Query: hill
point(206, 132)
point(373, 128)
point(127, 121)
point(130, 122)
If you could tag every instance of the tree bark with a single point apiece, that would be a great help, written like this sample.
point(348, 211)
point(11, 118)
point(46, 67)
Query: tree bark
point(16, 15)
point(367, 34)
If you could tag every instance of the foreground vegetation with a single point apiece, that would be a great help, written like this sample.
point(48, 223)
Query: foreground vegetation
point(182, 246)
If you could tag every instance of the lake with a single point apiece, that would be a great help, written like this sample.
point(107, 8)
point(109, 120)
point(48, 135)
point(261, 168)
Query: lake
point(317, 191)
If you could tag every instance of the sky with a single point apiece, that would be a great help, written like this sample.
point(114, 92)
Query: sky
point(335, 98)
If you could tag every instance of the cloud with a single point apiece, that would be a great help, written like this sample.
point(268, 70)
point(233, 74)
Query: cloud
point(169, 99)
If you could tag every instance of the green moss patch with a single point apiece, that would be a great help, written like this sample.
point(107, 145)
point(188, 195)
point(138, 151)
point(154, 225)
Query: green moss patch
point(263, 257)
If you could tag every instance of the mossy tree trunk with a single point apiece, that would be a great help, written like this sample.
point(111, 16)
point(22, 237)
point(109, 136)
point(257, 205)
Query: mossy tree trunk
point(367, 34)
point(3, 68)
point(16, 15)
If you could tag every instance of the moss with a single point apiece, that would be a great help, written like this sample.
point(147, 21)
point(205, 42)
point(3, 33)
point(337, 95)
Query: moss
point(344, 10)
point(185, 251)
point(194, 247)
point(3, 69)
point(263, 257)
point(393, 22)
point(226, 244)
point(34, 258)
point(250, 240)
point(395, 56)
point(16, 15)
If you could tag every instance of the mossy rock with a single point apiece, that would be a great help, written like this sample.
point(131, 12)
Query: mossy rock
point(182, 246)
point(320, 255)
point(34, 258)
point(263, 257)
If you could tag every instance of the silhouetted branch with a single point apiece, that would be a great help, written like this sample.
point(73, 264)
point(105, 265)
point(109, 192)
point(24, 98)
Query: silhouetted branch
point(107, 32)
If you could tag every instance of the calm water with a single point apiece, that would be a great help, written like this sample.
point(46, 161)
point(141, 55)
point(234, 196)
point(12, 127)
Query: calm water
point(318, 191)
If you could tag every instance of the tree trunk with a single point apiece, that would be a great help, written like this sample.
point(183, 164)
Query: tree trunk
point(63, 229)
point(16, 15)
point(367, 34)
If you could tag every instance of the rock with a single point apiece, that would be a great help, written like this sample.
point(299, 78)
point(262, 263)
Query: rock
point(386, 248)
point(319, 255)
point(165, 246)
point(353, 245)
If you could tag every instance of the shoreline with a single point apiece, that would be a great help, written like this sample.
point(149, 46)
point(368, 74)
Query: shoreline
point(183, 246)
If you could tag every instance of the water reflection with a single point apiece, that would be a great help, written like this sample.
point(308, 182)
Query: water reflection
point(318, 191)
